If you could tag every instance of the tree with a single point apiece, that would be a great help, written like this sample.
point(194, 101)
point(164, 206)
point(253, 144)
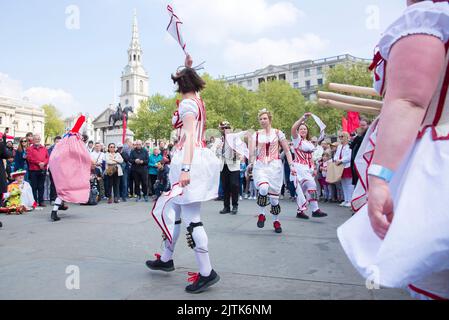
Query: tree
point(153, 119)
point(54, 125)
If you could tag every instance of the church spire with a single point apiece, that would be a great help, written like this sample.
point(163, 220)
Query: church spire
point(135, 50)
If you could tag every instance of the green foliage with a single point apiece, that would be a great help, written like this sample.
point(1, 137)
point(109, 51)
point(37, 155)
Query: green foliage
point(54, 125)
point(153, 119)
point(240, 107)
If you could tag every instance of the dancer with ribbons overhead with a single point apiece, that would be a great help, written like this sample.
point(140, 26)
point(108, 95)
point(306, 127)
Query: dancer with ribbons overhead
point(306, 188)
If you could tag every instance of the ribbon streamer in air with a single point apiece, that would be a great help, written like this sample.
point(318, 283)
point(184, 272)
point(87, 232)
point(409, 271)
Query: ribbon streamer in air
point(174, 28)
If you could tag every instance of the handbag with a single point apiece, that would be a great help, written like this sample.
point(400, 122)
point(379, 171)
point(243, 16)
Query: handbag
point(334, 172)
point(111, 169)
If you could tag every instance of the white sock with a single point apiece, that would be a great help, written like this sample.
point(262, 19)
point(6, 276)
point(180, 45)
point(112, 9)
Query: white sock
point(58, 202)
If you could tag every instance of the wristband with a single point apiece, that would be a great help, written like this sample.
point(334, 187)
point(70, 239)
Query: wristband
point(186, 168)
point(380, 172)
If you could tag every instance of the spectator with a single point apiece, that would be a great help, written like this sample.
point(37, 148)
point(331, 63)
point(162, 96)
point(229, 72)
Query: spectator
point(9, 168)
point(113, 173)
point(327, 192)
point(98, 158)
point(128, 147)
point(20, 157)
point(90, 146)
point(355, 145)
point(242, 175)
point(162, 182)
point(3, 155)
point(53, 194)
point(139, 169)
point(125, 167)
point(29, 137)
point(343, 157)
point(37, 156)
point(10, 148)
point(155, 158)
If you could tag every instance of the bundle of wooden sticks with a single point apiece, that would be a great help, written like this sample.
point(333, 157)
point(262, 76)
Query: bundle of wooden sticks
point(350, 103)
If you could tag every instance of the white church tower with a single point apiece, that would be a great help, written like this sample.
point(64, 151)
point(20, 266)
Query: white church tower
point(134, 77)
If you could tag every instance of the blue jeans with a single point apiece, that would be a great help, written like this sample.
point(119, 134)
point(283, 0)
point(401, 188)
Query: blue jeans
point(124, 183)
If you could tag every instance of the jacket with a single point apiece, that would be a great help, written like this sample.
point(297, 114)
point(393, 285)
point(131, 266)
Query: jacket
point(35, 155)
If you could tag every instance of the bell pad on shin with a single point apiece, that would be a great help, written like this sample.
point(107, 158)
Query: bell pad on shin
point(189, 235)
point(276, 210)
point(262, 201)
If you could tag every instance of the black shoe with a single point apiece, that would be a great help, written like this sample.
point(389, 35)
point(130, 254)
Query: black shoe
point(54, 216)
point(235, 210)
point(225, 211)
point(63, 207)
point(1, 224)
point(159, 265)
point(277, 227)
point(261, 221)
point(319, 214)
point(302, 215)
point(202, 283)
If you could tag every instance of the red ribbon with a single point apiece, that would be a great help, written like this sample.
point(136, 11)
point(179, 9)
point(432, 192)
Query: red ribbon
point(377, 60)
point(158, 256)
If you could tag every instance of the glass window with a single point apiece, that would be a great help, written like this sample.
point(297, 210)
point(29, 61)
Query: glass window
point(307, 72)
point(127, 85)
point(141, 86)
point(320, 82)
point(319, 70)
point(282, 76)
point(261, 80)
point(295, 75)
point(296, 85)
point(249, 83)
point(308, 84)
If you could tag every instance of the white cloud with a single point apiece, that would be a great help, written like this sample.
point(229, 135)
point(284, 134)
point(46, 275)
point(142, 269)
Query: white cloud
point(212, 22)
point(61, 99)
point(10, 87)
point(249, 56)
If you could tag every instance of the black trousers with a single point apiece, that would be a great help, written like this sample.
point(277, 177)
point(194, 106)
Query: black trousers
point(230, 181)
point(140, 178)
point(153, 178)
point(113, 183)
point(53, 194)
point(37, 181)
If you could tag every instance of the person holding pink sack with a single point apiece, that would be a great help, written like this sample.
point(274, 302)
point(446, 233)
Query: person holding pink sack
point(71, 152)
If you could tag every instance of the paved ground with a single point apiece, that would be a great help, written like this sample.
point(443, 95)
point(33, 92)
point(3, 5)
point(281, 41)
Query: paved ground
point(110, 243)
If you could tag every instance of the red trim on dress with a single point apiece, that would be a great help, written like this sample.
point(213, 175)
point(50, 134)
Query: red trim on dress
point(426, 293)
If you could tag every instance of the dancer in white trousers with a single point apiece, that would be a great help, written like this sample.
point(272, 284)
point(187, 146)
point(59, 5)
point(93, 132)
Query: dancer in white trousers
point(194, 174)
point(268, 171)
point(306, 188)
point(399, 237)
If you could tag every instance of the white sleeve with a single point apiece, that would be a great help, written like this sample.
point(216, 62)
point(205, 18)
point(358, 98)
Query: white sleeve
point(281, 136)
point(337, 153)
point(421, 18)
point(346, 157)
point(188, 106)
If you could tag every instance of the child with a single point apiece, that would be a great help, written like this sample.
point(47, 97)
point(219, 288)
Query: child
point(242, 174)
point(327, 194)
point(19, 196)
point(162, 183)
point(252, 187)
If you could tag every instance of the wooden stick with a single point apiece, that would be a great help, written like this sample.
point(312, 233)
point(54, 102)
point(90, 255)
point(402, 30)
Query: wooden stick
point(351, 100)
point(348, 107)
point(353, 89)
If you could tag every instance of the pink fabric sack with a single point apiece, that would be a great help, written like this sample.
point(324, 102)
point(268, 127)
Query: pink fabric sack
point(70, 166)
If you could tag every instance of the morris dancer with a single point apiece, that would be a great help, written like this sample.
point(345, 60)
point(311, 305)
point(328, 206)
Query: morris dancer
point(195, 174)
point(70, 166)
point(400, 235)
point(268, 171)
point(305, 170)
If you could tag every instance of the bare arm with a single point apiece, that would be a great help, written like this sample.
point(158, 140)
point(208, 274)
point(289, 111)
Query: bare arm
point(413, 71)
point(189, 130)
point(297, 124)
point(412, 80)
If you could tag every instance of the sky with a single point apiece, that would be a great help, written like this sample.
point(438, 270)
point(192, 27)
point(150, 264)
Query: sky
point(72, 53)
